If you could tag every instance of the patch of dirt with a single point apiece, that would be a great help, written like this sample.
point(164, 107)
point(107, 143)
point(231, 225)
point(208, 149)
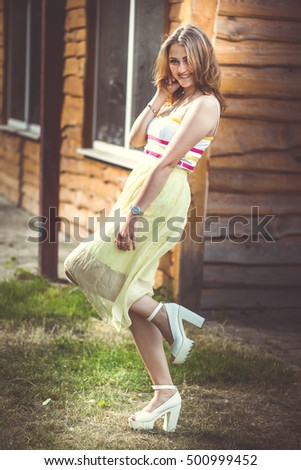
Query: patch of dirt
point(280, 340)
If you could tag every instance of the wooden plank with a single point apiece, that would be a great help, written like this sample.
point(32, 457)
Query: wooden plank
point(72, 112)
point(252, 253)
point(286, 161)
point(12, 161)
point(31, 179)
point(10, 193)
point(273, 9)
point(31, 191)
point(10, 181)
point(228, 204)
point(89, 185)
point(30, 204)
point(257, 53)
point(266, 82)
point(75, 19)
point(77, 49)
point(257, 314)
point(7, 168)
point(176, 12)
point(283, 110)
point(85, 166)
point(241, 29)
point(201, 13)
point(240, 136)
point(240, 181)
point(92, 168)
point(240, 298)
point(72, 4)
point(31, 148)
point(31, 166)
point(230, 275)
point(73, 86)
point(81, 199)
point(286, 230)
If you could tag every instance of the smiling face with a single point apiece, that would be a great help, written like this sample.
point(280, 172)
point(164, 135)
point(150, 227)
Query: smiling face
point(178, 64)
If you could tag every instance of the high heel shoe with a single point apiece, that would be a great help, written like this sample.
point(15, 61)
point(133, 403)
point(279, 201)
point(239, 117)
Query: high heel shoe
point(181, 346)
point(170, 410)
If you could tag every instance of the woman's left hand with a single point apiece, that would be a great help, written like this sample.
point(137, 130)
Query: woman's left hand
point(125, 236)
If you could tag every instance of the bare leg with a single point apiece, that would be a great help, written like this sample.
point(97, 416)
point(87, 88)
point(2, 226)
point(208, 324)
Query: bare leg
point(149, 343)
point(145, 306)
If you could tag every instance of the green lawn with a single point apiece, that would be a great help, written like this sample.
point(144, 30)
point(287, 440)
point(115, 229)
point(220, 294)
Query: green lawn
point(68, 381)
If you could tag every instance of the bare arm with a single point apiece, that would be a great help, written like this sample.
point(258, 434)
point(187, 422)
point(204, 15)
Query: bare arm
point(137, 137)
point(199, 119)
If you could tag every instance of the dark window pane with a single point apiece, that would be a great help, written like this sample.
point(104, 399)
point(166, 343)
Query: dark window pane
point(112, 67)
point(35, 52)
point(149, 24)
point(16, 59)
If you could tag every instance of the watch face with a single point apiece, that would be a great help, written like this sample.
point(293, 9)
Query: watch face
point(136, 210)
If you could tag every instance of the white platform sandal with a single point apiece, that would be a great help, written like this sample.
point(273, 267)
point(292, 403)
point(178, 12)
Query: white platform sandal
point(170, 410)
point(181, 346)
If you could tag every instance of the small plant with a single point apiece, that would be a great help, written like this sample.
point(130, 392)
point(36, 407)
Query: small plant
point(11, 262)
point(25, 275)
point(163, 293)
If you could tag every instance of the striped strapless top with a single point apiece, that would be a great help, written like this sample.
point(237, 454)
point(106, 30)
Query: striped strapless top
point(160, 132)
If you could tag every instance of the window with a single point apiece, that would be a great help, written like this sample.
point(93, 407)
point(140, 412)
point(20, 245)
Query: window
point(128, 37)
point(23, 70)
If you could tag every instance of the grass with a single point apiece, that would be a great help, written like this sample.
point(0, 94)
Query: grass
point(68, 381)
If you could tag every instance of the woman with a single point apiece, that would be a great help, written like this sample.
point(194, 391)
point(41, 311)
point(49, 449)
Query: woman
point(117, 274)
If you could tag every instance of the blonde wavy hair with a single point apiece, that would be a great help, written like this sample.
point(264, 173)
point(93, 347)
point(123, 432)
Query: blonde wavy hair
point(201, 58)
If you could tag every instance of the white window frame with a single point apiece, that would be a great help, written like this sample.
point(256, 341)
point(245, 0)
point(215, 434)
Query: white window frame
point(15, 125)
point(129, 77)
point(123, 156)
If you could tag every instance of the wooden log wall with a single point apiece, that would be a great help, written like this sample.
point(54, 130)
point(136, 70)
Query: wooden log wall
point(30, 176)
point(256, 160)
point(10, 166)
point(19, 171)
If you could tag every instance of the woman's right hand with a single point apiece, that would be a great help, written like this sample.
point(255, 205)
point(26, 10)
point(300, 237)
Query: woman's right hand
point(169, 86)
point(137, 136)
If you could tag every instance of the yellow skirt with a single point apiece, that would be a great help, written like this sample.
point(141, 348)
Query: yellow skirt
point(111, 279)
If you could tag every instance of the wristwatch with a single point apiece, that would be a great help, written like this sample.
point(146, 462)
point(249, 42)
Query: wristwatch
point(135, 210)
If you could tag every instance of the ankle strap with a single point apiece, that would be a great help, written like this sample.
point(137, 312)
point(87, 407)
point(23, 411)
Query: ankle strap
point(164, 387)
point(154, 313)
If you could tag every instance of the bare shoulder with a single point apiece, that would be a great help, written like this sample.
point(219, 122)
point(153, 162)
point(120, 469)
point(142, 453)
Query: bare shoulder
point(204, 106)
point(206, 102)
point(202, 115)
